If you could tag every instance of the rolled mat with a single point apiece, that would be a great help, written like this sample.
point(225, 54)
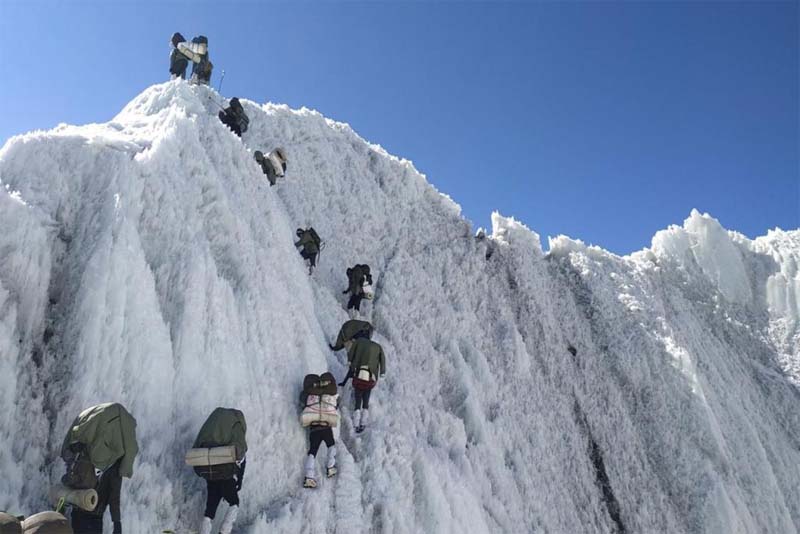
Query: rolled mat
point(211, 456)
point(9, 524)
point(83, 499)
point(46, 523)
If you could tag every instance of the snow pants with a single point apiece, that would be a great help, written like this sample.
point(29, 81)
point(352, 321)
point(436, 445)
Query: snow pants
point(85, 522)
point(362, 398)
point(315, 438)
point(355, 301)
point(218, 490)
point(311, 256)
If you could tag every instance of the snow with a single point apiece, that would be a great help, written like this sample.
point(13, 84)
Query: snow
point(147, 261)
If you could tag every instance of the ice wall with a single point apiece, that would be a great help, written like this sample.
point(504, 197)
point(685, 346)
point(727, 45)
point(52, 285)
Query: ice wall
point(147, 261)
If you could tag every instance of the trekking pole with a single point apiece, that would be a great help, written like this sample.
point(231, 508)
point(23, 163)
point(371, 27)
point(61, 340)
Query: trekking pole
point(219, 88)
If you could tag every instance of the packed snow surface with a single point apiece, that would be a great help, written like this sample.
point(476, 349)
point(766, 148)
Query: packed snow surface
point(147, 261)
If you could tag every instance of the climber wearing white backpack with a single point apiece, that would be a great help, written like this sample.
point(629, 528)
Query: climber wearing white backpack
point(319, 402)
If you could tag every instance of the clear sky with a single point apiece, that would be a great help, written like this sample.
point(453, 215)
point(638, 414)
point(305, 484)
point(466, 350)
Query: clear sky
point(600, 120)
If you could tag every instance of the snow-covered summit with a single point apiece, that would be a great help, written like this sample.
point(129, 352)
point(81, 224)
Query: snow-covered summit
point(147, 261)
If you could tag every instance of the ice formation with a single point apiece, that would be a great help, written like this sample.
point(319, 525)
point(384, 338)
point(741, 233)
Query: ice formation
point(147, 261)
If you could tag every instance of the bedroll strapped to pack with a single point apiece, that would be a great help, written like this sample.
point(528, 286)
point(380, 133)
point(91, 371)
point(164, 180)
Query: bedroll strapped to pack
point(225, 427)
point(9, 524)
point(46, 523)
point(85, 499)
point(211, 456)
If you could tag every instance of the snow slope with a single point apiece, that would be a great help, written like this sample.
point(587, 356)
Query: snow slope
point(147, 261)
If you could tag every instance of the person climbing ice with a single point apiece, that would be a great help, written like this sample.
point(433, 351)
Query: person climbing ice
point(224, 437)
point(273, 165)
point(367, 363)
point(319, 402)
point(311, 244)
point(234, 117)
point(358, 277)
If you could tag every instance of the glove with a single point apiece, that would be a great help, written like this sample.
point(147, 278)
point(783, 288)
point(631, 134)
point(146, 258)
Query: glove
point(343, 383)
point(117, 527)
point(239, 484)
point(332, 347)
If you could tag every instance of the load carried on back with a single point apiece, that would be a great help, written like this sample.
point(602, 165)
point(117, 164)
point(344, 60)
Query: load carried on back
point(311, 243)
point(359, 281)
point(349, 330)
point(47, 523)
point(201, 69)
point(234, 117)
point(319, 401)
point(102, 438)
point(196, 52)
point(218, 455)
point(273, 165)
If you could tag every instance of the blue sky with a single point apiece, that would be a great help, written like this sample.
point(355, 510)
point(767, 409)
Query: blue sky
point(603, 121)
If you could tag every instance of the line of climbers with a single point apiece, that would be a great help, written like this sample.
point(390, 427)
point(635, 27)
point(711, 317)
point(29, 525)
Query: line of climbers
point(100, 447)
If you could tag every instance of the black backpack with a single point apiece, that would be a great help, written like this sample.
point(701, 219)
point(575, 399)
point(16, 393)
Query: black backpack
point(200, 39)
point(80, 471)
point(314, 236)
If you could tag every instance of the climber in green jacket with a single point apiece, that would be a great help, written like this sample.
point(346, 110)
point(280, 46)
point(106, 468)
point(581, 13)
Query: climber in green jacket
point(367, 362)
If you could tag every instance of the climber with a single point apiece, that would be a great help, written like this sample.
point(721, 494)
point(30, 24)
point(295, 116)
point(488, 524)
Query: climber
point(367, 362)
point(183, 52)
point(319, 402)
point(311, 243)
point(108, 489)
point(201, 69)
point(349, 330)
point(218, 456)
point(273, 165)
point(101, 438)
point(357, 277)
point(234, 117)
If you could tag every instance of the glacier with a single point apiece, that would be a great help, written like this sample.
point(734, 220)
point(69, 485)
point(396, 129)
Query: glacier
point(147, 261)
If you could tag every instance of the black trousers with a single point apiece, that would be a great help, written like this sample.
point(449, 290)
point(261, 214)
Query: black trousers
point(85, 522)
point(362, 398)
point(218, 490)
point(311, 256)
point(355, 301)
point(316, 436)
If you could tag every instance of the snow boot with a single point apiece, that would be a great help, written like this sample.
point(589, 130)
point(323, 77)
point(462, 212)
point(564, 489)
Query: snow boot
point(205, 526)
point(309, 483)
point(331, 465)
point(230, 518)
point(357, 420)
point(310, 470)
point(364, 418)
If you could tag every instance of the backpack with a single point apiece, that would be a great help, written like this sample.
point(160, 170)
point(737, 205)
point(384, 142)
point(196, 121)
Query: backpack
point(80, 471)
point(319, 385)
point(321, 401)
point(314, 236)
point(363, 379)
